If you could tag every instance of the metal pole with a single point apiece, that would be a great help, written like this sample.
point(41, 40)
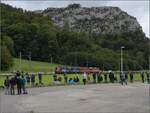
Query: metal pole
point(20, 60)
point(122, 59)
point(30, 60)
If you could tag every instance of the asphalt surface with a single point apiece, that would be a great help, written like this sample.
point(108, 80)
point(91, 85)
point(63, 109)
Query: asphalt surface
point(100, 98)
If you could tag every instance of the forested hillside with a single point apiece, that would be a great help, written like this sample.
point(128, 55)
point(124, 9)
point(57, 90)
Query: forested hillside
point(35, 34)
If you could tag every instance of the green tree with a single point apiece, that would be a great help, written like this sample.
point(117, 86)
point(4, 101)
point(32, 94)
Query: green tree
point(6, 53)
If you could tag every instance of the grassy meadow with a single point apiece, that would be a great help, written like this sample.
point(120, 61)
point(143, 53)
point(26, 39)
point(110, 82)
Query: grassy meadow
point(37, 66)
point(33, 66)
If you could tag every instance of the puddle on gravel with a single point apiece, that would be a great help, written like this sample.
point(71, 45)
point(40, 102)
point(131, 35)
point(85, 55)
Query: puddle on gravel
point(83, 99)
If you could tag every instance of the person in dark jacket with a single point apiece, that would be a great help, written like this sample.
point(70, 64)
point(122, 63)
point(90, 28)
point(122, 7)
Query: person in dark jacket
point(18, 73)
point(105, 77)
point(33, 80)
point(94, 77)
point(7, 85)
point(131, 77)
point(40, 77)
point(111, 77)
point(126, 76)
point(142, 77)
point(18, 81)
point(12, 85)
point(65, 78)
point(77, 79)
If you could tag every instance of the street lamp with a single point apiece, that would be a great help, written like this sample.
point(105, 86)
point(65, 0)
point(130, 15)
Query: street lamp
point(122, 47)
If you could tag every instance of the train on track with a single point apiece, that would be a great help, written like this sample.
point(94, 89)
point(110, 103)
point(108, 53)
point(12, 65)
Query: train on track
point(71, 70)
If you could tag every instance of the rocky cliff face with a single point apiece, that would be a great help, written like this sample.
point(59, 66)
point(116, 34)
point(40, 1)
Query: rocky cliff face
point(95, 19)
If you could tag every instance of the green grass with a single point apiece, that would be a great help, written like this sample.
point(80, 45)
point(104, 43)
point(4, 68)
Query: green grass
point(34, 66)
point(37, 66)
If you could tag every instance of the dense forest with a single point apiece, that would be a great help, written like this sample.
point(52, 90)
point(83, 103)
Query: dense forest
point(35, 34)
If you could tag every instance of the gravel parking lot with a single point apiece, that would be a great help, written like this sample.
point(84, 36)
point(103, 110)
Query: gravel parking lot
point(101, 98)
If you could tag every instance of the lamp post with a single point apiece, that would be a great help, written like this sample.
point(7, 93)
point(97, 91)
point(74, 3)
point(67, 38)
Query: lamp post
point(122, 47)
point(20, 58)
point(29, 56)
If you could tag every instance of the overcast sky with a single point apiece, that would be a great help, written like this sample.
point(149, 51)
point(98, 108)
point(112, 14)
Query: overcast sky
point(138, 9)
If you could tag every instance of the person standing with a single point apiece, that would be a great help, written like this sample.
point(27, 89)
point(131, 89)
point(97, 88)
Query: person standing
point(27, 78)
point(111, 77)
point(40, 77)
point(142, 77)
point(123, 78)
point(18, 81)
point(126, 76)
point(18, 73)
point(84, 78)
point(131, 77)
point(33, 80)
point(7, 85)
point(23, 83)
point(94, 77)
point(12, 85)
point(105, 77)
point(65, 77)
point(99, 77)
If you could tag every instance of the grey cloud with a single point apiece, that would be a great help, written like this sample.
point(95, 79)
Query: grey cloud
point(138, 9)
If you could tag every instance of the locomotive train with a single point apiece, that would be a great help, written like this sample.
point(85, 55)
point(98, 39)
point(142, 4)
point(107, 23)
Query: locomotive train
point(71, 70)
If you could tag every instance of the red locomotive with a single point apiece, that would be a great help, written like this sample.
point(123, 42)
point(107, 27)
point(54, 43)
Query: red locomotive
point(60, 70)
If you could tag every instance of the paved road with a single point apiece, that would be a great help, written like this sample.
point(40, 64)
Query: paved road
point(109, 98)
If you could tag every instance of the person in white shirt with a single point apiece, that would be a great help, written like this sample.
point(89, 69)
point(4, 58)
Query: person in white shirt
point(84, 78)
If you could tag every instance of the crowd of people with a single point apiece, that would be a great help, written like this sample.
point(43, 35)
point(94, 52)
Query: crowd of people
point(72, 80)
point(99, 77)
point(20, 79)
point(112, 78)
